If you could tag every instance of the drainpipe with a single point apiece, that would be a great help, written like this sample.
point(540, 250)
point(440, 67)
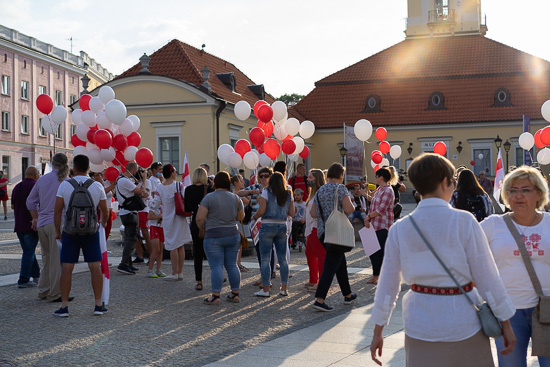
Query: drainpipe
point(218, 113)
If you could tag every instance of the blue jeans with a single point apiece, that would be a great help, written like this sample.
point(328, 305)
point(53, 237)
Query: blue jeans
point(29, 264)
point(223, 251)
point(357, 214)
point(521, 324)
point(273, 234)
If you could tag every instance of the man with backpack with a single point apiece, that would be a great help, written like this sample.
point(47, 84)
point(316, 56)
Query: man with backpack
point(80, 197)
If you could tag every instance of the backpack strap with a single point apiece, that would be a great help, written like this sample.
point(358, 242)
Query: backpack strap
point(73, 182)
point(89, 182)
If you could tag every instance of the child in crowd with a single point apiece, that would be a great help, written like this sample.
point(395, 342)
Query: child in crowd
point(299, 219)
point(157, 238)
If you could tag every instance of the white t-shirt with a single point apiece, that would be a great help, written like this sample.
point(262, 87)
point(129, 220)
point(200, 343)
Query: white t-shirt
point(146, 200)
point(510, 263)
point(124, 188)
point(310, 221)
point(96, 190)
point(155, 182)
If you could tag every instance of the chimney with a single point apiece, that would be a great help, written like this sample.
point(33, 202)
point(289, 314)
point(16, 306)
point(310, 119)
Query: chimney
point(205, 86)
point(145, 60)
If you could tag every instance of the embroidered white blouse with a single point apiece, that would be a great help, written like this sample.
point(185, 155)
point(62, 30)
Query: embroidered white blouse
point(460, 242)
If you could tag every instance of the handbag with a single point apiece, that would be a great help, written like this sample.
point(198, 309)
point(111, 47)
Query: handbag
point(540, 320)
point(133, 203)
point(489, 323)
point(339, 235)
point(179, 203)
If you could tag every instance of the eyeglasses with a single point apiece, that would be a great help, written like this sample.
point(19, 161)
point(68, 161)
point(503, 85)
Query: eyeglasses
point(524, 192)
point(264, 175)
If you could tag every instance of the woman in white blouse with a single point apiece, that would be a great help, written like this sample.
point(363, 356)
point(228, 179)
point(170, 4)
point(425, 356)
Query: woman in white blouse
point(441, 326)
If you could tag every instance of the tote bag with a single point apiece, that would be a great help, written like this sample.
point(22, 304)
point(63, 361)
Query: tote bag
point(339, 233)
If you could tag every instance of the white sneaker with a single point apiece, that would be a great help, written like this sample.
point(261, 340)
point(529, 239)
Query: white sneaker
point(171, 277)
point(151, 274)
point(180, 276)
point(160, 274)
point(261, 293)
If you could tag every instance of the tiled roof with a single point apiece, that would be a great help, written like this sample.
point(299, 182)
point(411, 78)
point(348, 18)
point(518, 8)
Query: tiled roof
point(181, 61)
point(467, 70)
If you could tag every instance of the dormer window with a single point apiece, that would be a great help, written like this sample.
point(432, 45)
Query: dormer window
point(436, 101)
point(372, 103)
point(502, 98)
point(258, 90)
point(229, 80)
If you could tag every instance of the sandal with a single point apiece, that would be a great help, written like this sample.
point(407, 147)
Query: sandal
point(243, 269)
point(233, 297)
point(212, 300)
point(198, 287)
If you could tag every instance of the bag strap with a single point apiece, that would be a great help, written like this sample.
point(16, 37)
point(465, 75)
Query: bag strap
point(117, 189)
point(524, 255)
point(441, 261)
point(336, 198)
point(496, 206)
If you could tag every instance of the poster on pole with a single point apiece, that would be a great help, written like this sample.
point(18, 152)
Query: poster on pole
point(354, 157)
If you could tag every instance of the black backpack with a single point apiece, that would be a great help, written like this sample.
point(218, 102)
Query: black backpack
point(476, 206)
point(81, 215)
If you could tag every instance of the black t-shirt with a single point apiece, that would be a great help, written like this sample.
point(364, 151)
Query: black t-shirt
point(193, 197)
point(396, 192)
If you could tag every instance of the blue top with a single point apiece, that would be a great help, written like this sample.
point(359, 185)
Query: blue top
point(274, 211)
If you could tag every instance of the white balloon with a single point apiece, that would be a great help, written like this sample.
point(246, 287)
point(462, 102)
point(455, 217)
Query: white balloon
point(96, 167)
point(372, 164)
point(91, 146)
point(135, 121)
point(80, 150)
point(102, 121)
point(95, 156)
point(47, 124)
point(108, 154)
point(385, 162)
point(251, 160)
point(279, 110)
point(82, 132)
point(58, 114)
point(526, 141)
point(395, 151)
point(292, 126)
point(362, 129)
point(234, 160)
point(543, 156)
point(299, 144)
point(88, 118)
point(106, 94)
point(256, 152)
point(264, 160)
point(96, 105)
point(223, 152)
point(280, 132)
point(116, 111)
point(76, 116)
point(130, 153)
point(293, 157)
point(127, 127)
point(480, 156)
point(545, 110)
point(242, 110)
point(307, 129)
point(281, 121)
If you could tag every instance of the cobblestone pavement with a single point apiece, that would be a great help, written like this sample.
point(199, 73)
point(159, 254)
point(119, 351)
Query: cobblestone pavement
point(152, 322)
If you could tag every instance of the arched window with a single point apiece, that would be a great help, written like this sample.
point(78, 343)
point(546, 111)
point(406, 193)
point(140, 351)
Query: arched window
point(436, 101)
point(372, 103)
point(502, 98)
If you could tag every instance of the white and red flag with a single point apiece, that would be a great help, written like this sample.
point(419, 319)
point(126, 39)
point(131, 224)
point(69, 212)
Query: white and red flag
point(104, 266)
point(499, 177)
point(185, 176)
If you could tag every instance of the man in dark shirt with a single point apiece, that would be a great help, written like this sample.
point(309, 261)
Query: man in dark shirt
point(28, 238)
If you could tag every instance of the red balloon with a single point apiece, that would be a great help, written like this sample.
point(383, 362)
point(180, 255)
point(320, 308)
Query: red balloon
point(90, 136)
point(538, 142)
point(440, 148)
point(242, 147)
point(381, 133)
point(257, 105)
point(304, 153)
point(44, 103)
point(375, 152)
point(545, 135)
point(260, 148)
point(288, 137)
point(102, 139)
point(272, 148)
point(113, 215)
point(265, 113)
point(119, 159)
point(111, 174)
point(144, 157)
point(120, 142)
point(288, 146)
point(134, 139)
point(256, 136)
point(377, 157)
point(472, 163)
point(76, 141)
point(267, 128)
point(111, 133)
point(84, 102)
point(376, 168)
point(384, 147)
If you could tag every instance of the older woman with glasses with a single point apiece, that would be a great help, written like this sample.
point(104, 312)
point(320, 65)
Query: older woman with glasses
point(525, 192)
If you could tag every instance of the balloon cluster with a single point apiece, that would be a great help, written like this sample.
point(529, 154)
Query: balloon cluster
point(272, 120)
point(54, 116)
point(106, 135)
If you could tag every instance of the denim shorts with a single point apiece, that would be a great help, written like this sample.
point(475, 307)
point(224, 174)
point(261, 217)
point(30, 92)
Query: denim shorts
point(70, 250)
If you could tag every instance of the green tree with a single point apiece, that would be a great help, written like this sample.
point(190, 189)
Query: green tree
point(291, 99)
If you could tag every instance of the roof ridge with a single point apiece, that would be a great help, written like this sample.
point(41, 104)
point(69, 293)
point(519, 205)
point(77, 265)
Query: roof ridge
point(180, 46)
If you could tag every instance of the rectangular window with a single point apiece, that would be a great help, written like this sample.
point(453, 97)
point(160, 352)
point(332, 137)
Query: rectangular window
point(6, 166)
point(42, 89)
point(73, 129)
point(59, 132)
point(5, 121)
point(519, 157)
point(170, 151)
point(24, 164)
point(41, 131)
point(24, 90)
point(58, 98)
point(24, 124)
point(482, 159)
point(73, 98)
point(6, 85)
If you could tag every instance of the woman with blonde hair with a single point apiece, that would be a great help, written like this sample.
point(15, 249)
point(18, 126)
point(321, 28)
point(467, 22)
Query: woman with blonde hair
point(525, 192)
point(315, 252)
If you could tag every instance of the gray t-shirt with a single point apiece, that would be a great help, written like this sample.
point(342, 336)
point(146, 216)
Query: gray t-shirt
point(221, 220)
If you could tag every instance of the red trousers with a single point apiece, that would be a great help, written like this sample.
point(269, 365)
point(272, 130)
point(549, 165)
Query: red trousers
point(315, 254)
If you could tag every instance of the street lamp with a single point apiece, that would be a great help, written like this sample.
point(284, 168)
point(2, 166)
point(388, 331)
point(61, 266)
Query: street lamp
point(498, 143)
point(343, 153)
point(507, 146)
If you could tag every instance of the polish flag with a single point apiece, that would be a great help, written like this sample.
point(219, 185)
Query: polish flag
point(499, 177)
point(104, 266)
point(186, 177)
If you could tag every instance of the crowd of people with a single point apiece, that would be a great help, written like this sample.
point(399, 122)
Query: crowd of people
point(454, 212)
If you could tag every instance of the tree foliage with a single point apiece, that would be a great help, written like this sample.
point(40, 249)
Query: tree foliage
point(291, 99)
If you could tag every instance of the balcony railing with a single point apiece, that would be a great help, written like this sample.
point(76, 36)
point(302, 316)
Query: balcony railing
point(444, 15)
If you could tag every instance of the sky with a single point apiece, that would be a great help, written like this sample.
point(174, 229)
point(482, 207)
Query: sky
point(285, 45)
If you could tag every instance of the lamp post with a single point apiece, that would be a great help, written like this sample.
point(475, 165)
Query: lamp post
point(507, 146)
point(498, 143)
point(343, 153)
